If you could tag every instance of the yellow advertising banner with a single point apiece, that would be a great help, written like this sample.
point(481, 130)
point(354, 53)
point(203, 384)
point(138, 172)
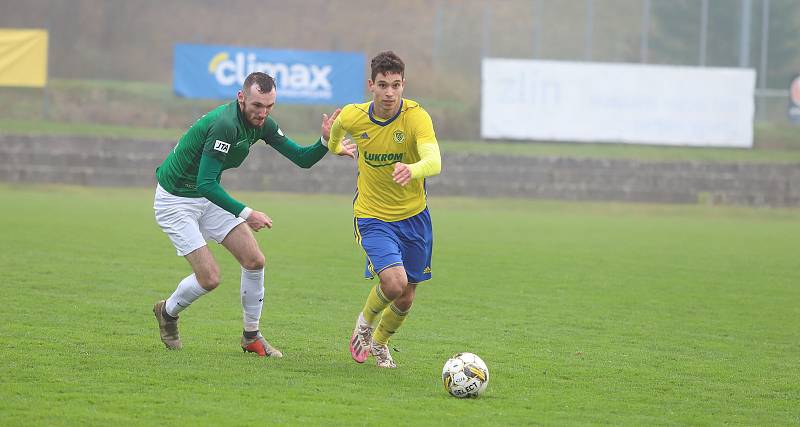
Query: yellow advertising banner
point(23, 57)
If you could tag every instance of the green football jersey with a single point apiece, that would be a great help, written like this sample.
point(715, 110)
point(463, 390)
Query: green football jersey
point(221, 140)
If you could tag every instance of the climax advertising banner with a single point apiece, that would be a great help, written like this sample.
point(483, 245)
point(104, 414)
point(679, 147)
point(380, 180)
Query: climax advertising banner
point(301, 77)
point(23, 57)
point(617, 103)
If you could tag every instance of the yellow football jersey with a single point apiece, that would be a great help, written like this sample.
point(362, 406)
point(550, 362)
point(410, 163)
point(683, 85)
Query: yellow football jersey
point(381, 144)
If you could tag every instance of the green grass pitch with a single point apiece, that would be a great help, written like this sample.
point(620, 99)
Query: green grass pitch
point(588, 313)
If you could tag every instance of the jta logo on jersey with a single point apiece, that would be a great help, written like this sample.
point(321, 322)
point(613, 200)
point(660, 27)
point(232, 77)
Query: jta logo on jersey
point(222, 146)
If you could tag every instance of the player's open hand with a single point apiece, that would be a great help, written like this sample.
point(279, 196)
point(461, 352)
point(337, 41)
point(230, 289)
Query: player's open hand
point(401, 174)
point(348, 149)
point(258, 220)
point(327, 122)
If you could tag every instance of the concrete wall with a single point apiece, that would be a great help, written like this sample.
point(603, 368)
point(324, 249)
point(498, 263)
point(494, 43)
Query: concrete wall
point(122, 162)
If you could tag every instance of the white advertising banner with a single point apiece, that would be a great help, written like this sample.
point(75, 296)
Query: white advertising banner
point(617, 103)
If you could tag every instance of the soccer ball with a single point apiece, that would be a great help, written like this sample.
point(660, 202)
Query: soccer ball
point(465, 375)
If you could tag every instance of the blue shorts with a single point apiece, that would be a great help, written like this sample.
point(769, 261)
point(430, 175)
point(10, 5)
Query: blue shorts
point(407, 242)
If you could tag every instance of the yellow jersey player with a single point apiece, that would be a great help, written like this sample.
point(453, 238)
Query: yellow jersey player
point(397, 150)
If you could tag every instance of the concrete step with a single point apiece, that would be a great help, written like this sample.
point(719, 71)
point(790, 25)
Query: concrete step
point(120, 162)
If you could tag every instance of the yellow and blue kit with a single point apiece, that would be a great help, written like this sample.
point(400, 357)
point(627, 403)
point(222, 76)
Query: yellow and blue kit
point(392, 222)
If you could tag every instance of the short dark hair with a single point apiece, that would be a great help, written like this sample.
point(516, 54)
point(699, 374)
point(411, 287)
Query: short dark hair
point(264, 81)
point(387, 62)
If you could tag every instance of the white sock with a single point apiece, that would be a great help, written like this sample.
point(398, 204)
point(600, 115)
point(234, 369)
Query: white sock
point(252, 292)
point(185, 294)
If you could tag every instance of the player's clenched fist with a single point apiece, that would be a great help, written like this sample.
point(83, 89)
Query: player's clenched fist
point(401, 174)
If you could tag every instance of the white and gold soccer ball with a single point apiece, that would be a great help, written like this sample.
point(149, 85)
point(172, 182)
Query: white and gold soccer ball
point(465, 375)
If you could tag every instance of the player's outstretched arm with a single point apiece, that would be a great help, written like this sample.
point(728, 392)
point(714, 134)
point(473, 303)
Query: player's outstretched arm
point(336, 143)
point(347, 148)
point(307, 156)
point(344, 147)
point(327, 124)
point(303, 156)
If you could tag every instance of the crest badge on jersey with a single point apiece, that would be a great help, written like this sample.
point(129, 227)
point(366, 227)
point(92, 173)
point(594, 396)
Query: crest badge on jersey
point(222, 146)
point(399, 136)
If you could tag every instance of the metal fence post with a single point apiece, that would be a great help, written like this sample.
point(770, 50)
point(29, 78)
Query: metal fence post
point(644, 37)
point(437, 33)
point(762, 74)
point(703, 32)
point(538, 9)
point(744, 35)
point(487, 28)
point(589, 30)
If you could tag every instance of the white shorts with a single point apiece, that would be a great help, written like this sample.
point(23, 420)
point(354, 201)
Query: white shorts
point(190, 221)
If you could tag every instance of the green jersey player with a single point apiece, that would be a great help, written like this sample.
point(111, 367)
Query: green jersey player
point(191, 205)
